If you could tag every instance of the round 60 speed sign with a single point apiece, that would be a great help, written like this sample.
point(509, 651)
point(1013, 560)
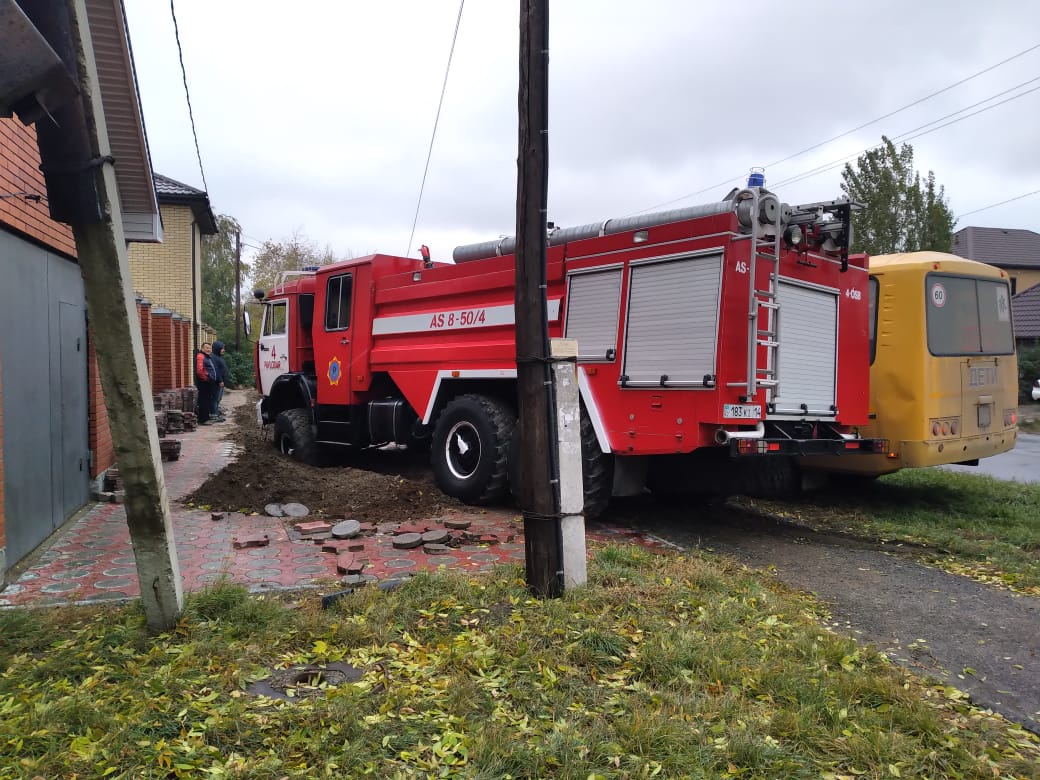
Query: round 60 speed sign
point(938, 295)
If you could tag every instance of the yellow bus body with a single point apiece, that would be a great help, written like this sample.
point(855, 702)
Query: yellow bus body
point(932, 409)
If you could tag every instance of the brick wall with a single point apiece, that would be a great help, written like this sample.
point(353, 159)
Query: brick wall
point(20, 172)
point(100, 434)
point(162, 350)
point(163, 272)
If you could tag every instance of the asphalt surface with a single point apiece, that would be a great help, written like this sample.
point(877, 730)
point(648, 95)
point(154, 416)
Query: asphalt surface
point(1021, 464)
point(980, 639)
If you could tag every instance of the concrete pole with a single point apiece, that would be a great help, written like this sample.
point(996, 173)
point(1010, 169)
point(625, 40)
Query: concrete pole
point(568, 444)
point(115, 327)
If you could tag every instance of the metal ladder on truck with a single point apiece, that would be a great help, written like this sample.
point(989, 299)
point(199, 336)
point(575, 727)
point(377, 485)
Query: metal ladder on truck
point(763, 304)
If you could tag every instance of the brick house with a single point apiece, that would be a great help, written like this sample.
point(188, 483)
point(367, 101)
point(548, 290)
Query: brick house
point(169, 275)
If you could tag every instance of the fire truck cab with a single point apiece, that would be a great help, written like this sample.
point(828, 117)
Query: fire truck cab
point(716, 345)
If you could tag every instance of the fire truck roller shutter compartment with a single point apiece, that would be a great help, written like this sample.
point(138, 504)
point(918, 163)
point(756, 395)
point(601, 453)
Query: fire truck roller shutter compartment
point(593, 303)
point(673, 314)
point(808, 335)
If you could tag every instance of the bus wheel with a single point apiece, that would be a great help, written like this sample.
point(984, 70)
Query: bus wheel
point(470, 448)
point(294, 436)
point(597, 469)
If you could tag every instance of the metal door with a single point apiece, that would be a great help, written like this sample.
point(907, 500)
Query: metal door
point(273, 352)
point(71, 442)
point(44, 393)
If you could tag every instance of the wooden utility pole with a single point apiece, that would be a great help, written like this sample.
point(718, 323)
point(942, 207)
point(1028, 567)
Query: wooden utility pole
point(238, 290)
point(539, 470)
point(82, 191)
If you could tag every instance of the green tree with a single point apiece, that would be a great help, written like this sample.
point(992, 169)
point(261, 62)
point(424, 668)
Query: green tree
point(902, 212)
point(292, 254)
point(218, 278)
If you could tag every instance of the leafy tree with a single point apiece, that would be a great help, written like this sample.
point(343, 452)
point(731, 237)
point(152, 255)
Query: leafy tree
point(293, 254)
point(218, 278)
point(902, 213)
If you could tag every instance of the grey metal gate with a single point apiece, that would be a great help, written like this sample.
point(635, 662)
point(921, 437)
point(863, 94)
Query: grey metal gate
point(43, 356)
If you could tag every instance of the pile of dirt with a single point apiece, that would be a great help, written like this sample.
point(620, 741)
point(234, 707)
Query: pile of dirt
point(377, 485)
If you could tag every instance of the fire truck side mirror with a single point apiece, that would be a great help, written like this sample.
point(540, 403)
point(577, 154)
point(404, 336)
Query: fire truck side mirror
point(245, 323)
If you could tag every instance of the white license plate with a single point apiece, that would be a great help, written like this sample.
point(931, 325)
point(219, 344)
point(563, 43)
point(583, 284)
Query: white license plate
point(742, 411)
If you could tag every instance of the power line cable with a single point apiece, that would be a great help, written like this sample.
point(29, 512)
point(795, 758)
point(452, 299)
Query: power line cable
point(847, 132)
point(187, 95)
point(908, 105)
point(1001, 203)
point(436, 121)
point(910, 135)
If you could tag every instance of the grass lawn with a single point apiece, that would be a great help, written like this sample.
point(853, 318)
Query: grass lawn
point(667, 665)
point(969, 523)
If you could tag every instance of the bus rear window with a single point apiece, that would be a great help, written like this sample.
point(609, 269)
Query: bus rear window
point(968, 316)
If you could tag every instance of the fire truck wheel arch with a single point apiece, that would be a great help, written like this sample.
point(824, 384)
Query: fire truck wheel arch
point(470, 452)
point(294, 436)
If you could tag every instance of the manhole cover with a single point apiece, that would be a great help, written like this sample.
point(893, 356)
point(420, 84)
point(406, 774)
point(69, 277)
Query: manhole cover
point(304, 682)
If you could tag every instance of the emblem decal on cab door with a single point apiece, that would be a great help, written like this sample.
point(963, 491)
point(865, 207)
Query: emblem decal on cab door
point(334, 371)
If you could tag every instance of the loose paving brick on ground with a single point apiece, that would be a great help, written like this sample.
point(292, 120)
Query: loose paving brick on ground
point(91, 559)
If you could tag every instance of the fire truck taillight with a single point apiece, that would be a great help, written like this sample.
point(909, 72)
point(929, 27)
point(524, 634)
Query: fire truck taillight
point(1010, 417)
point(757, 446)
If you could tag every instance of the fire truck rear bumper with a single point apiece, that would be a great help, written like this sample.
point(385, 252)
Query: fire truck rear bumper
point(802, 447)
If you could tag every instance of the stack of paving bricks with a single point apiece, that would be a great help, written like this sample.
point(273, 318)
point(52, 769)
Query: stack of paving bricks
point(161, 420)
point(170, 449)
point(189, 399)
point(113, 480)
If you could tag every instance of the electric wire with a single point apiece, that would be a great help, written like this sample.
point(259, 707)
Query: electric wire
point(1001, 203)
point(187, 95)
point(436, 121)
point(723, 183)
point(910, 135)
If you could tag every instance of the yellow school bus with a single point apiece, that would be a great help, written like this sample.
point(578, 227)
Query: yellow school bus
point(943, 374)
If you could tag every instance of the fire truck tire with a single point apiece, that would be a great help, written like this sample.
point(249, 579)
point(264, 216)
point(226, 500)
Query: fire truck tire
point(470, 449)
point(294, 436)
point(597, 469)
point(775, 477)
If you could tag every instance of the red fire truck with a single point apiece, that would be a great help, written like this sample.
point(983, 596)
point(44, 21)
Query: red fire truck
point(716, 344)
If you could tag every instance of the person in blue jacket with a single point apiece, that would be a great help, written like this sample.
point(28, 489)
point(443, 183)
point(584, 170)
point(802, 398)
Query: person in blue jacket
point(223, 377)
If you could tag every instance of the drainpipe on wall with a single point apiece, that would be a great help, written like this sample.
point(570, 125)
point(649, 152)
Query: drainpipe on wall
point(194, 304)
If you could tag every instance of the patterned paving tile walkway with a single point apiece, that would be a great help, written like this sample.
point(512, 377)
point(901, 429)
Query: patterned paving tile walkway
point(91, 558)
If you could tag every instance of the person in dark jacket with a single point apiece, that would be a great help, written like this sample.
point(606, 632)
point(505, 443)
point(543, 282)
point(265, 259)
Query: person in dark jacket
point(206, 382)
point(223, 377)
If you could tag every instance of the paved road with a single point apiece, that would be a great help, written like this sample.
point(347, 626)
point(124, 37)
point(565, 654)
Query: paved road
point(1021, 464)
point(927, 620)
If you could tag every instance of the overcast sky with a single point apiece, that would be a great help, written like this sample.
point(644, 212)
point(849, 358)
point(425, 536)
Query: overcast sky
point(316, 116)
